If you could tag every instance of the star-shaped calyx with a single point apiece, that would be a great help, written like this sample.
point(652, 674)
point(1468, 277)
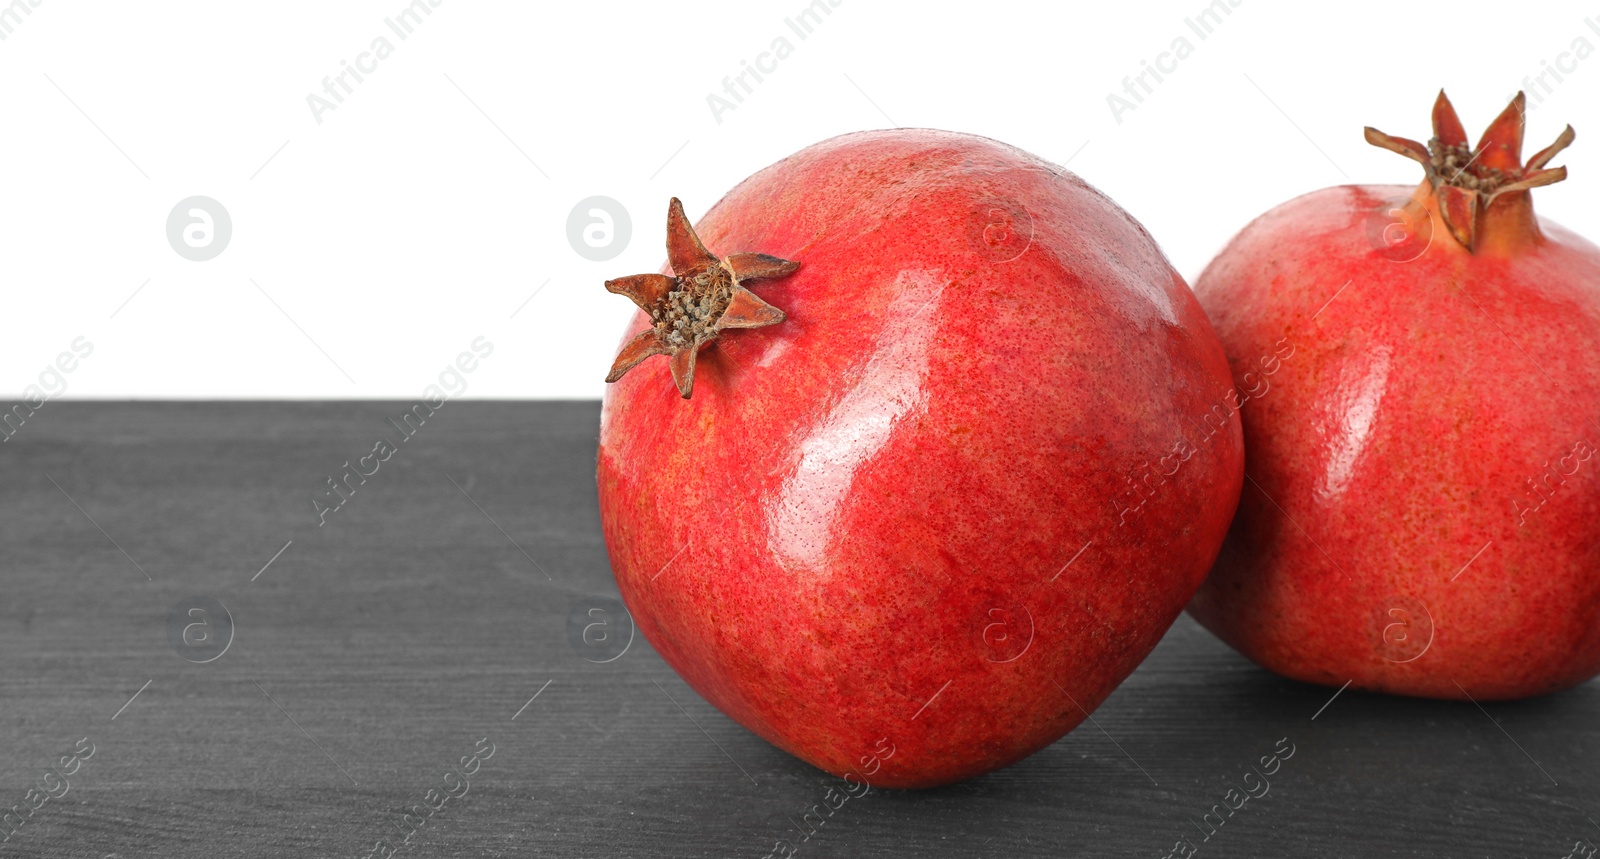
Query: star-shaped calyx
point(1468, 180)
point(703, 298)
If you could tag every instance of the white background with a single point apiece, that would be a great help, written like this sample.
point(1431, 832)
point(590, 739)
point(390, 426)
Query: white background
point(406, 223)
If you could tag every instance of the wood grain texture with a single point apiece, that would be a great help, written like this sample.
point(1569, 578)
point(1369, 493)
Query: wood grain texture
point(408, 627)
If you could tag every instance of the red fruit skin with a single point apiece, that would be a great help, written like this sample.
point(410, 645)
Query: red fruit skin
point(1397, 441)
point(818, 540)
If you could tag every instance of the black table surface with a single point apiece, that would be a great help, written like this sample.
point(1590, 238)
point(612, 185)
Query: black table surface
point(431, 615)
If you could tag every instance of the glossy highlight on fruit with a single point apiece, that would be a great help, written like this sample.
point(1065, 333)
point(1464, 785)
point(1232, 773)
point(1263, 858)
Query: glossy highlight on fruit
point(1422, 509)
point(928, 516)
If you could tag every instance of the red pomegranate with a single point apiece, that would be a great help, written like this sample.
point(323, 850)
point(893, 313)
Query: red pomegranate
point(1422, 514)
point(935, 509)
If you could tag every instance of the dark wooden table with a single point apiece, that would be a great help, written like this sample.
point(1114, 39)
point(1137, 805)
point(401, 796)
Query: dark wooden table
point(380, 648)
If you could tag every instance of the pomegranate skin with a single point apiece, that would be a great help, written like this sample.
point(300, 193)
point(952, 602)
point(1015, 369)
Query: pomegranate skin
point(867, 536)
point(1391, 533)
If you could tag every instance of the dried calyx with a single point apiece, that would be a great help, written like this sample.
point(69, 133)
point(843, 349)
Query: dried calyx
point(691, 308)
point(1467, 180)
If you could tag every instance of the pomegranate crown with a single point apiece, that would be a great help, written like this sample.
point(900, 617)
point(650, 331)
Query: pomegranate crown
point(1467, 180)
point(703, 297)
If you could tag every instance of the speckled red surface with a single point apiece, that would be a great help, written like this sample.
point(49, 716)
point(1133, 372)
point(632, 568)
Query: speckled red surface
point(855, 538)
point(1425, 518)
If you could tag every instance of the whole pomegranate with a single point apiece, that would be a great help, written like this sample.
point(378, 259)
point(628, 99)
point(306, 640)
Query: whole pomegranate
point(1422, 514)
point(895, 530)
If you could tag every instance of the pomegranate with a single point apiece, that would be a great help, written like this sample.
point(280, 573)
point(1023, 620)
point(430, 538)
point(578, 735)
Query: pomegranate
point(1422, 513)
point(891, 528)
